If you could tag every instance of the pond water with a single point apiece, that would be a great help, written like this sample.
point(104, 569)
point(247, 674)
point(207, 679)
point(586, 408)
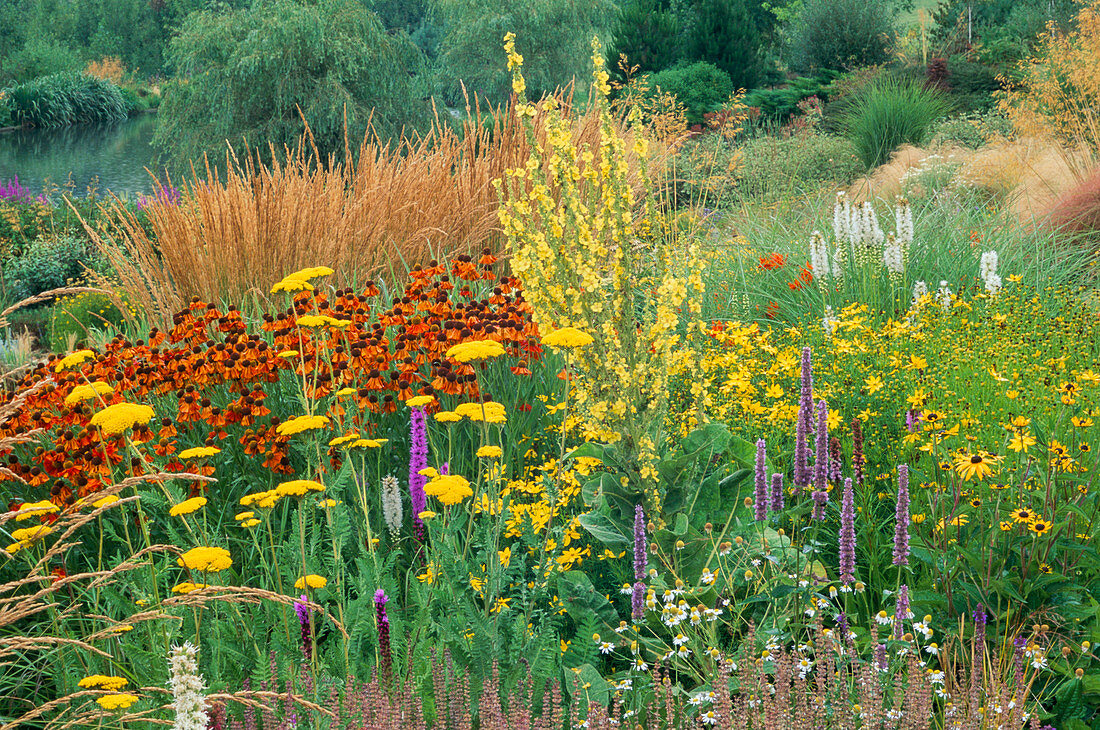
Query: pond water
point(112, 157)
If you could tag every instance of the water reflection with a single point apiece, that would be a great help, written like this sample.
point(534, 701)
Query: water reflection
point(117, 154)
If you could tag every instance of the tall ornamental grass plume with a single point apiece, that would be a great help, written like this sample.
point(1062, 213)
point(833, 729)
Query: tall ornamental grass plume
point(592, 254)
point(889, 113)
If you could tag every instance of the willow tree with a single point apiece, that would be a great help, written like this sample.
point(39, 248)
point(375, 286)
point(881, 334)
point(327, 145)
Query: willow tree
point(254, 74)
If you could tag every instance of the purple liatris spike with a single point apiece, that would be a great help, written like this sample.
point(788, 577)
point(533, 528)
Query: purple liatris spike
point(901, 611)
point(847, 542)
point(777, 492)
point(760, 494)
point(418, 460)
point(302, 611)
point(901, 518)
point(383, 631)
point(640, 557)
point(805, 420)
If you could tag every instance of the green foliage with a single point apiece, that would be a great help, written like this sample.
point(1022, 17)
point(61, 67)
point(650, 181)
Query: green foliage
point(779, 104)
point(74, 318)
point(971, 84)
point(63, 99)
point(648, 34)
point(839, 34)
point(41, 56)
point(773, 167)
point(890, 113)
point(701, 87)
point(254, 73)
point(971, 130)
point(553, 36)
point(1003, 31)
point(724, 33)
point(48, 263)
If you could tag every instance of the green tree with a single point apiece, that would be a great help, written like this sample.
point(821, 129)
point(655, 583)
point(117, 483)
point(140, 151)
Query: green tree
point(648, 34)
point(552, 35)
point(245, 74)
point(724, 33)
point(840, 34)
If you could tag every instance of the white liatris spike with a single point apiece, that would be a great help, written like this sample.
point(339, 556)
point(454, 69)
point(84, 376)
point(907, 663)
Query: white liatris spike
point(893, 255)
point(840, 260)
point(855, 221)
point(391, 503)
point(943, 296)
point(829, 322)
point(920, 291)
point(187, 688)
point(841, 216)
point(868, 223)
point(988, 272)
point(819, 254)
point(903, 221)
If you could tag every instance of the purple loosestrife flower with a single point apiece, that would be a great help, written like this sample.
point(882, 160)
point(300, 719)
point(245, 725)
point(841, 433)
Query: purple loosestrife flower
point(302, 611)
point(383, 631)
point(901, 518)
point(13, 192)
point(805, 420)
point(418, 460)
point(821, 462)
point(760, 495)
point(847, 543)
point(777, 492)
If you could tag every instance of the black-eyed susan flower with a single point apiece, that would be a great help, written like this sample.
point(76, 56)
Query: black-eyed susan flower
point(1040, 526)
point(206, 559)
point(978, 465)
point(1023, 515)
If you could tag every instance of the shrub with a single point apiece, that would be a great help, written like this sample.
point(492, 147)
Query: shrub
point(48, 263)
point(73, 318)
point(839, 34)
point(701, 87)
point(724, 33)
point(64, 99)
point(890, 113)
point(41, 57)
point(779, 104)
point(971, 84)
point(772, 167)
point(971, 130)
point(648, 35)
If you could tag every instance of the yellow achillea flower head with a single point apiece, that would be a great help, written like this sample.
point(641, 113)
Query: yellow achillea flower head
point(449, 489)
point(447, 417)
point(110, 499)
point(102, 681)
point(567, 337)
point(187, 587)
point(489, 452)
point(341, 440)
point(291, 285)
point(206, 559)
point(298, 424)
point(315, 320)
point(117, 418)
point(490, 411)
point(35, 509)
point(366, 444)
point(310, 272)
point(86, 391)
point(244, 516)
point(30, 534)
point(287, 354)
point(346, 391)
point(74, 359)
point(188, 506)
point(312, 581)
point(298, 488)
point(198, 452)
point(475, 350)
point(250, 523)
point(120, 701)
point(419, 401)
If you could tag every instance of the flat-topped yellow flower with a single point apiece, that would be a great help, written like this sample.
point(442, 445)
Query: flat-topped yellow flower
point(310, 272)
point(490, 412)
point(341, 440)
point(298, 487)
point(115, 419)
point(35, 509)
point(75, 358)
point(489, 452)
point(103, 681)
point(121, 701)
point(311, 581)
point(187, 587)
point(206, 559)
point(419, 401)
point(346, 391)
point(87, 391)
point(291, 285)
point(187, 506)
point(298, 424)
point(30, 534)
point(265, 500)
point(287, 354)
point(475, 350)
point(567, 337)
point(250, 523)
point(315, 320)
point(244, 516)
point(449, 489)
point(109, 499)
point(198, 452)
point(447, 417)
